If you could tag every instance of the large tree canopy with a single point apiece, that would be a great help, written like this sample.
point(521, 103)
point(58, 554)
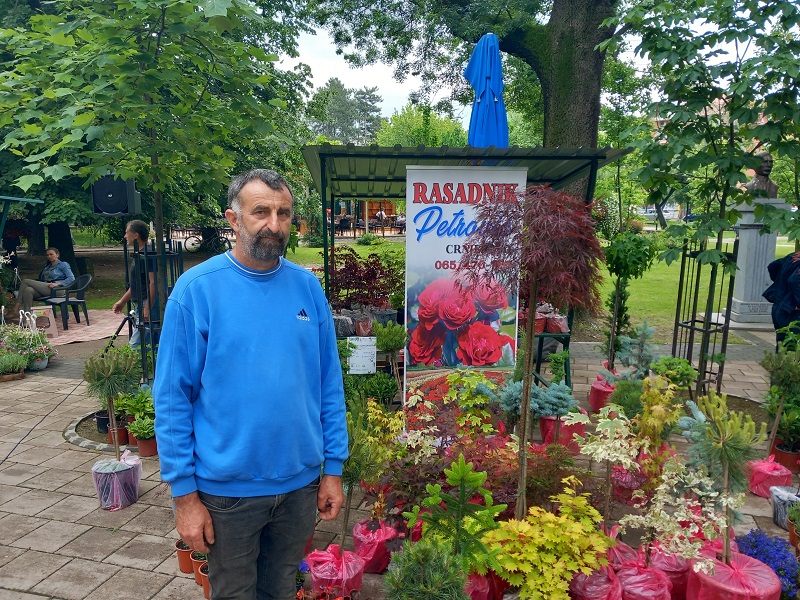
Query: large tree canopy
point(557, 40)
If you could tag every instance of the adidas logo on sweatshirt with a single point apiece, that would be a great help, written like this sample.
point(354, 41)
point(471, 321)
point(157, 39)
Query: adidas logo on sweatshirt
point(302, 315)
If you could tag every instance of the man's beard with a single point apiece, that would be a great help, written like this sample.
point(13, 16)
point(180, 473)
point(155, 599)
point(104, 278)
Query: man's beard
point(263, 246)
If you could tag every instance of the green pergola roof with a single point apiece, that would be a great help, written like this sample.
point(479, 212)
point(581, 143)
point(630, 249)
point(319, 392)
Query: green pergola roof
point(377, 173)
point(7, 200)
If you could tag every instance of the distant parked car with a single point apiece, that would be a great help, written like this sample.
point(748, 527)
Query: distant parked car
point(694, 217)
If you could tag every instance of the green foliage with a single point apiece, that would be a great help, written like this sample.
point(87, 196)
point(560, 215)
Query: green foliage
point(369, 239)
point(426, 570)
point(558, 361)
point(12, 362)
point(412, 127)
point(541, 553)
point(627, 395)
point(474, 392)
point(456, 518)
point(346, 115)
point(144, 428)
point(728, 440)
point(794, 513)
point(112, 372)
point(380, 386)
point(636, 354)
point(556, 400)
point(677, 371)
point(88, 92)
point(391, 337)
point(630, 255)
point(717, 110)
point(138, 404)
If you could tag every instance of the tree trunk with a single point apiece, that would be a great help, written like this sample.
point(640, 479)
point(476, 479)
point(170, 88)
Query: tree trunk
point(59, 236)
point(525, 404)
point(35, 231)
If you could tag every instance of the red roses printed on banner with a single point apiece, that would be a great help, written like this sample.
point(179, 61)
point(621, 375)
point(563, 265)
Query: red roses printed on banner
point(455, 326)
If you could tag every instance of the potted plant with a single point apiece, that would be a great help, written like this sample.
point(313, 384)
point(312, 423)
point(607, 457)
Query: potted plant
point(570, 537)
point(783, 367)
point(545, 244)
point(198, 559)
point(793, 518)
point(184, 554)
point(12, 365)
point(426, 570)
point(144, 430)
point(550, 405)
point(38, 356)
point(391, 338)
point(110, 373)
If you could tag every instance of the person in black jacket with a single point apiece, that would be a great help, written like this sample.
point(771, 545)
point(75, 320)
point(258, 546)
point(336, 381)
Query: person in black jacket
point(784, 293)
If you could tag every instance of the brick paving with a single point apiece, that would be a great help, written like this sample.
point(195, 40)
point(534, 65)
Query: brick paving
point(57, 544)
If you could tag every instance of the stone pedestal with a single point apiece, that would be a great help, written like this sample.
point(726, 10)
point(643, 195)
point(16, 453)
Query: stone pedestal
point(756, 251)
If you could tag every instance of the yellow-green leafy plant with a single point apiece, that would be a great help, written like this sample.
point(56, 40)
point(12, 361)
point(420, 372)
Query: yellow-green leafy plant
point(542, 552)
point(372, 434)
point(474, 392)
point(660, 413)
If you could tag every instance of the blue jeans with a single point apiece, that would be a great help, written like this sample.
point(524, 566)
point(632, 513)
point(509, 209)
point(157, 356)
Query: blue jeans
point(136, 337)
point(259, 543)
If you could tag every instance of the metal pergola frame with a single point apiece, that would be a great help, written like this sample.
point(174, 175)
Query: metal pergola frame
point(7, 200)
point(349, 172)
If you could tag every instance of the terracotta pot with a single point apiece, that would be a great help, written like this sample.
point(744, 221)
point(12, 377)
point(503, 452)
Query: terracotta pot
point(184, 557)
point(122, 436)
point(204, 580)
point(147, 447)
point(792, 533)
point(787, 459)
point(197, 561)
point(132, 440)
point(12, 376)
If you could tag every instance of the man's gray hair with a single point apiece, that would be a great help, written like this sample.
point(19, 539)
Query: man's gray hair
point(272, 179)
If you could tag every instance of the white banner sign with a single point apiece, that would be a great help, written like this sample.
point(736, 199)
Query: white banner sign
point(449, 327)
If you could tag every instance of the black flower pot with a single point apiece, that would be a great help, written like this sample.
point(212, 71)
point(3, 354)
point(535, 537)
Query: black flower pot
point(101, 418)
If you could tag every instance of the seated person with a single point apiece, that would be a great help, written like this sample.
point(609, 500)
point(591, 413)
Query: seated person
point(401, 223)
point(55, 273)
point(343, 225)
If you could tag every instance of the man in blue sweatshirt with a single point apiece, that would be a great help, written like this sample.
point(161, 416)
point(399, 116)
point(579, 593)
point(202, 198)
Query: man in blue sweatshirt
point(250, 415)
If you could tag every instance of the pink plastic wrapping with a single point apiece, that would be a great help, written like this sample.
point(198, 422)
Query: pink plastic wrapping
point(745, 579)
point(117, 481)
point(478, 587)
point(676, 568)
point(557, 323)
point(371, 545)
point(643, 583)
point(334, 571)
point(713, 548)
point(599, 394)
point(602, 584)
point(547, 427)
point(766, 473)
point(621, 553)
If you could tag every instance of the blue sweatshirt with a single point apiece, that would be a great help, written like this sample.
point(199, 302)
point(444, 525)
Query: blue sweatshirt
point(248, 391)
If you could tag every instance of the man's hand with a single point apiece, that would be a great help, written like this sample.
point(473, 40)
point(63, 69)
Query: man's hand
point(330, 497)
point(117, 307)
point(193, 522)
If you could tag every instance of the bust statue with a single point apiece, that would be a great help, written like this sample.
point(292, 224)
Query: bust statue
point(761, 184)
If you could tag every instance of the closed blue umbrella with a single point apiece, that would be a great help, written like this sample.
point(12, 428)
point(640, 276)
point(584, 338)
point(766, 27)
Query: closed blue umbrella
point(488, 125)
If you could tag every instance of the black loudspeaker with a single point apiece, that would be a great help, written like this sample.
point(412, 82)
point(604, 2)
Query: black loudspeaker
point(112, 196)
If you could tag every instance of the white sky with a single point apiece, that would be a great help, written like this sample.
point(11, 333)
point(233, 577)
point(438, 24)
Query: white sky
point(319, 52)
